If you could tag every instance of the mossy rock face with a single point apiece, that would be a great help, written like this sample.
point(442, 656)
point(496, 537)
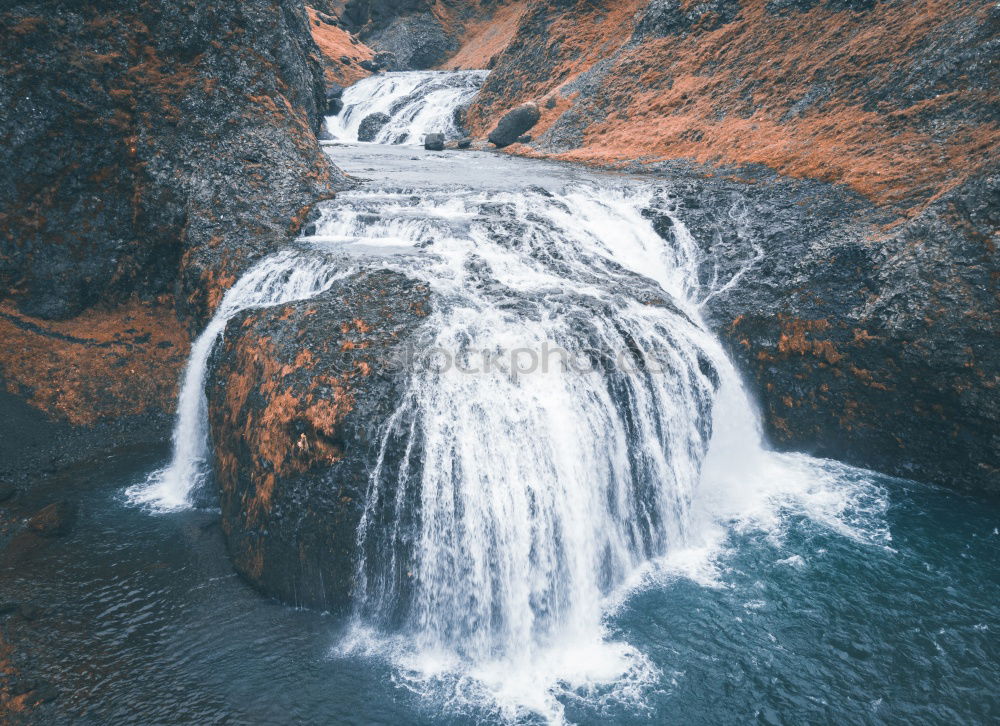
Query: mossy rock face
point(160, 141)
point(869, 346)
point(297, 397)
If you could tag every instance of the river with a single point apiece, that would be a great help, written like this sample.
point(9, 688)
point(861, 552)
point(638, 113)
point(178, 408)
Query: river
point(592, 544)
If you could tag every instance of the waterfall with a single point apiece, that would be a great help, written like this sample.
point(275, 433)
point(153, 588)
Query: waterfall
point(554, 446)
point(280, 278)
point(568, 424)
point(417, 103)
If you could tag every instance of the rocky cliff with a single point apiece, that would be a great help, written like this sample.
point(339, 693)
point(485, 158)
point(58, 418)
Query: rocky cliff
point(151, 150)
point(868, 322)
point(297, 396)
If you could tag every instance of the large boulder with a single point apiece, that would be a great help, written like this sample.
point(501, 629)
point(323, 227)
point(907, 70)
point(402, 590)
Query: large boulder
point(434, 142)
point(297, 396)
point(872, 347)
point(371, 125)
point(514, 124)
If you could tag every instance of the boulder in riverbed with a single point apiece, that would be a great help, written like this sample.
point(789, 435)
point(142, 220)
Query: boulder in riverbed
point(296, 397)
point(434, 142)
point(514, 124)
point(371, 125)
point(54, 520)
point(464, 143)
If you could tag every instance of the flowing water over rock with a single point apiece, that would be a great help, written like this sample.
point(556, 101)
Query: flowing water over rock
point(417, 103)
point(572, 439)
point(569, 428)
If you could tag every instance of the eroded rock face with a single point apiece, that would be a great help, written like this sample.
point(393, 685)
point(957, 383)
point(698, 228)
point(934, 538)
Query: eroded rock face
point(409, 30)
point(151, 150)
point(146, 138)
point(868, 343)
point(297, 395)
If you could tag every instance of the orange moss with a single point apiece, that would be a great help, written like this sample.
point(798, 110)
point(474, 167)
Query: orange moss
point(726, 96)
point(486, 37)
point(335, 42)
point(99, 365)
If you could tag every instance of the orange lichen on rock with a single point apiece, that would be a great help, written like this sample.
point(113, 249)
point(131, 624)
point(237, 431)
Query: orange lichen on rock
point(798, 336)
point(100, 365)
point(484, 38)
point(778, 90)
point(335, 43)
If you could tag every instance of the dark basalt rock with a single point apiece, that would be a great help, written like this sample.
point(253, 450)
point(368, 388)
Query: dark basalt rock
point(186, 160)
point(782, 7)
point(297, 395)
point(54, 520)
point(386, 61)
point(371, 125)
point(406, 29)
point(881, 354)
point(464, 143)
point(672, 17)
point(434, 142)
point(334, 99)
point(514, 124)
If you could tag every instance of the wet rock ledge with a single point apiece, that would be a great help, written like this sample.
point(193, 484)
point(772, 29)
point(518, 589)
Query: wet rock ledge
point(296, 396)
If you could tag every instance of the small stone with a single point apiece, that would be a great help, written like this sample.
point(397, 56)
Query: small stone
point(29, 612)
point(465, 143)
point(524, 139)
point(345, 60)
point(54, 520)
point(434, 142)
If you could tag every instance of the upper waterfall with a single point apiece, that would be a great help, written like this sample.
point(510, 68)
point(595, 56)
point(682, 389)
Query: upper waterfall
point(417, 103)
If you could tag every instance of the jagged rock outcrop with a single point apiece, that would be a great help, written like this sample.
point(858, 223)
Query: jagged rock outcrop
point(297, 396)
point(864, 340)
point(416, 32)
point(151, 150)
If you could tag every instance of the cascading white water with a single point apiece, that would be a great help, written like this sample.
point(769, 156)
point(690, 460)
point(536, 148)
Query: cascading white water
point(514, 495)
point(569, 425)
point(417, 103)
point(284, 277)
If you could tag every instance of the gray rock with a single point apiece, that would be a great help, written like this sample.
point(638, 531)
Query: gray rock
point(434, 142)
point(464, 143)
point(514, 124)
point(298, 542)
point(371, 125)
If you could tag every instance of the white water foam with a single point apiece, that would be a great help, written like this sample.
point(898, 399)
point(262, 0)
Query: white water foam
point(545, 498)
point(511, 512)
point(417, 102)
point(280, 278)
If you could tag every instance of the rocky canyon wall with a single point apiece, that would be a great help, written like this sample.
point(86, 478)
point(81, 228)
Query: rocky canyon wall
point(151, 151)
point(852, 147)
